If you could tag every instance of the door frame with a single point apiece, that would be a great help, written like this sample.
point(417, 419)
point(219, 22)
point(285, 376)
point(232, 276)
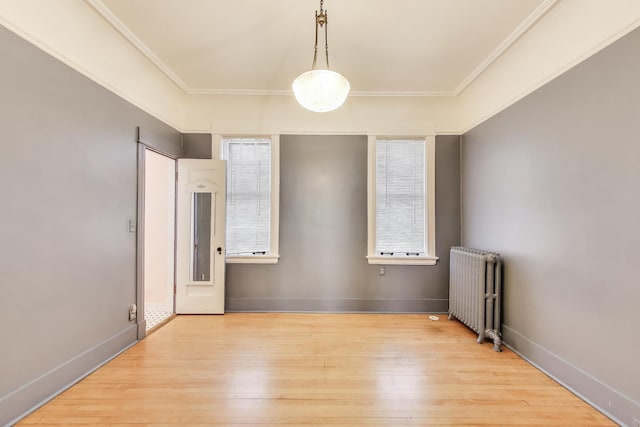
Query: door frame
point(140, 226)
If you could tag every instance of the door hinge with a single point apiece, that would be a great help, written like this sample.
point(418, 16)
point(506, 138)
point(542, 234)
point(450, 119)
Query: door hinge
point(176, 176)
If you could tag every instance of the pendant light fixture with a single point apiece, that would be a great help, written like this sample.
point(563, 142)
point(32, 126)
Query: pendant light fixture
point(321, 90)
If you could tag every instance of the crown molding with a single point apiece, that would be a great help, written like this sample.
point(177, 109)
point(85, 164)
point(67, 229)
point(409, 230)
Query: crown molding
point(248, 92)
point(538, 13)
point(144, 49)
point(36, 41)
point(556, 73)
point(134, 40)
point(259, 92)
point(409, 94)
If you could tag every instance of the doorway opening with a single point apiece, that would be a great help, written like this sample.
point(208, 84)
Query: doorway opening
point(159, 238)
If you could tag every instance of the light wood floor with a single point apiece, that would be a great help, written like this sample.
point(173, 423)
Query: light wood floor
point(317, 369)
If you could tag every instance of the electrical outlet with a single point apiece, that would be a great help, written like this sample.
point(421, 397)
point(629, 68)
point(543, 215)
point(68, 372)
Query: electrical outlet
point(133, 312)
point(381, 270)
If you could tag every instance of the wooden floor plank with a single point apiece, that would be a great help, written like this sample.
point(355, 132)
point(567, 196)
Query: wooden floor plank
point(315, 369)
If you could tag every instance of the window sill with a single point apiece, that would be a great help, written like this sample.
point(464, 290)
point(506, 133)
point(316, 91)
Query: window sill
point(397, 260)
point(253, 259)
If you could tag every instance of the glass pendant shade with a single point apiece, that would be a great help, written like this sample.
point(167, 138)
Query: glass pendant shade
point(321, 90)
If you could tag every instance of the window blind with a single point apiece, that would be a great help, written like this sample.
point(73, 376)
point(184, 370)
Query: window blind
point(248, 195)
point(400, 197)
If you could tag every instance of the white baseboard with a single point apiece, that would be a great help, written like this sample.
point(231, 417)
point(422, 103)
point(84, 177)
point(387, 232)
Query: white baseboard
point(158, 307)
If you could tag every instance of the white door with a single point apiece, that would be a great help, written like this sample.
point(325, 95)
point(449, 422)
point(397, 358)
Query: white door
point(200, 255)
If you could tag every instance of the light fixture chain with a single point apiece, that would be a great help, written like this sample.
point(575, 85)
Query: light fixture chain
point(326, 36)
point(322, 21)
point(315, 46)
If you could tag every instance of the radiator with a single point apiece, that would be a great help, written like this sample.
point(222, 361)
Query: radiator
point(474, 292)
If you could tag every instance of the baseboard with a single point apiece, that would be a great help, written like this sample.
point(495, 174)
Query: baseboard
point(615, 405)
point(337, 305)
point(27, 398)
point(142, 328)
point(158, 306)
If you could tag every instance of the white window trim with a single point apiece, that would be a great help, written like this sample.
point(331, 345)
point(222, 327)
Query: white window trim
point(274, 231)
point(430, 198)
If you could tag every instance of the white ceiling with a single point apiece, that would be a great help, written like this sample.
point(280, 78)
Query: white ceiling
point(384, 47)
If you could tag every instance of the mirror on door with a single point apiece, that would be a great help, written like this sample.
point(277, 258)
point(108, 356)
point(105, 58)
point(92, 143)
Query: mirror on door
point(202, 263)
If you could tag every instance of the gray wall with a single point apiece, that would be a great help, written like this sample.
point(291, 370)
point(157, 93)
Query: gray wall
point(196, 146)
point(67, 259)
point(553, 184)
point(323, 236)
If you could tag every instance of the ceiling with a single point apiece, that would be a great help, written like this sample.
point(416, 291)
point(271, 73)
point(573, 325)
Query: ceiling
point(384, 47)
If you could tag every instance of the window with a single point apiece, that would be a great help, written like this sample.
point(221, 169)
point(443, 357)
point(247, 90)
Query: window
point(252, 198)
point(401, 196)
